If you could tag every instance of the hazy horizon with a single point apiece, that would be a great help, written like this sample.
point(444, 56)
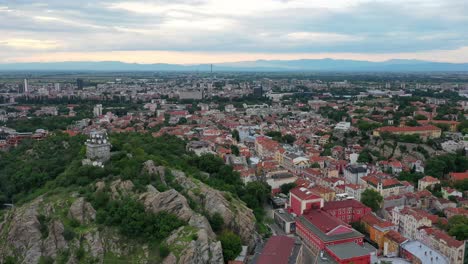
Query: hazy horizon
point(219, 31)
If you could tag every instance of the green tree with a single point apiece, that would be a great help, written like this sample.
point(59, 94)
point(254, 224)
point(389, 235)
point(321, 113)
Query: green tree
point(285, 188)
point(235, 135)
point(235, 150)
point(315, 165)
point(289, 139)
point(216, 222)
point(365, 156)
point(232, 245)
point(372, 199)
point(458, 227)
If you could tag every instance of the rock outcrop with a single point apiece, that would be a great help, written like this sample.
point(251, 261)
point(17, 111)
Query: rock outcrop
point(169, 201)
point(41, 228)
point(173, 202)
point(150, 168)
point(82, 211)
point(236, 215)
point(121, 188)
point(193, 246)
point(23, 233)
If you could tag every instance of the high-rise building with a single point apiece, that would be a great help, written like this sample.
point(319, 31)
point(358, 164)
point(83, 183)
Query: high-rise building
point(57, 87)
point(80, 84)
point(97, 110)
point(258, 91)
point(25, 88)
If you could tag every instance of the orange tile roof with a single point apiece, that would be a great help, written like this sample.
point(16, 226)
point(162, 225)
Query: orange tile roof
point(395, 236)
point(458, 176)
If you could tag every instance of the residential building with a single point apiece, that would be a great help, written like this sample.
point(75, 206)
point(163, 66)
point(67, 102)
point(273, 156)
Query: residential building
point(417, 252)
point(451, 212)
point(391, 243)
point(408, 220)
point(447, 192)
point(354, 190)
point(384, 184)
point(265, 147)
point(458, 176)
point(377, 228)
point(437, 239)
point(97, 110)
point(354, 172)
point(326, 193)
point(427, 181)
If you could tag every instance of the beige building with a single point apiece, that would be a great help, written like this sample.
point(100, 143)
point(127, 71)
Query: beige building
point(408, 221)
point(385, 185)
point(426, 182)
point(439, 240)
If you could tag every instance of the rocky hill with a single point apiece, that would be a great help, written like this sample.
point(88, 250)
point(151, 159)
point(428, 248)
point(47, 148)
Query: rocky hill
point(62, 227)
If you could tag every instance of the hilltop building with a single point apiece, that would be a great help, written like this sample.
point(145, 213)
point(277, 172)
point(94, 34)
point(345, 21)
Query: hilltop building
point(97, 149)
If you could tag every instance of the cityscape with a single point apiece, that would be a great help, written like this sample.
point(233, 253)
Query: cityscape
point(200, 132)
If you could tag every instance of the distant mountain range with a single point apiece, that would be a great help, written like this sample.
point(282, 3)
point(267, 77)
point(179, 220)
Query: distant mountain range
point(258, 65)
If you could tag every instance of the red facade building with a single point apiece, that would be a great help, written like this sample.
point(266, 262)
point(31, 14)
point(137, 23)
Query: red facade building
point(348, 211)
point(302, 199)
point(323, 232)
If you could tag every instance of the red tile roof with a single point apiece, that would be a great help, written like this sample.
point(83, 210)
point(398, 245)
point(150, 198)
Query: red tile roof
point(395, 236)
point(441, 235)
point(373, 220)
point(304, 193)
point(429, 179)
point(324, 221)
point(277, 250)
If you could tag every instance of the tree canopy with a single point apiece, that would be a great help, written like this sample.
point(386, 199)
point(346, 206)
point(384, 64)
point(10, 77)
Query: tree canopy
point(372, 199)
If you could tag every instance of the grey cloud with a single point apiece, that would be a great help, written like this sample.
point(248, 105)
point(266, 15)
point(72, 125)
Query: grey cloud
point(381, 26)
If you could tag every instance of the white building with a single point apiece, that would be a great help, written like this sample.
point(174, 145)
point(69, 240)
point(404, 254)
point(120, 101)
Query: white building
point(354, 172)
point(344, 126)
point(26, 88)
point(97, 110)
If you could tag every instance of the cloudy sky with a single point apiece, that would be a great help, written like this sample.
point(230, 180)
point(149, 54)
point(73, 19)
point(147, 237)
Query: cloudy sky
point(206, 31)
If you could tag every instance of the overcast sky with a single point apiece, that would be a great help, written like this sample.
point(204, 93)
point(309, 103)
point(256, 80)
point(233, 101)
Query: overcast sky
point(206, 31)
